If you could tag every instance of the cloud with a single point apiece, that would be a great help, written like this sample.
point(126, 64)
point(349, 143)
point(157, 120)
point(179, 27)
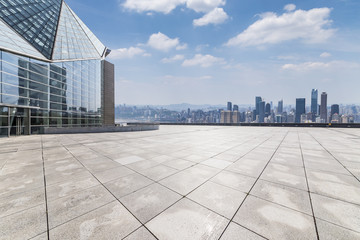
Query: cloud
point(166, 6)
point(204, 5)
point(173, 59)
point(160, 41)
point(308, 66)
point(127, 53)
point(325, 55)
point(182, 46)
point(310, 26)
point(203, 61)
point(163, 6)
point(290, 7)
point(216, 16)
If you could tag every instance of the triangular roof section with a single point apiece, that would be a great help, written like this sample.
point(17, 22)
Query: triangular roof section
point(98, 45)
point(35, 21)
point(11, 41)
point(74, 40)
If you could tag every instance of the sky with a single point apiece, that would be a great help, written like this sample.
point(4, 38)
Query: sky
point(214, 51)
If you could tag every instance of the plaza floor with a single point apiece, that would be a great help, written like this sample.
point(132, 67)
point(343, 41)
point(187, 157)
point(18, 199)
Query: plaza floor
point(182, 182)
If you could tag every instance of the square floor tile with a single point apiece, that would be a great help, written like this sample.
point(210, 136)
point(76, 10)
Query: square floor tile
point(150, 201)
point(158, 172)
point(274, 221)
point(289, 197)
point(234, 180)
point(111, 221)
point(222, 200)
point(187, 221)
point(128, 184)
point(337, 212)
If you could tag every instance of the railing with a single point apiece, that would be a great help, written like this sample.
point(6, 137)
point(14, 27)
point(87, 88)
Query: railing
point(315, 125)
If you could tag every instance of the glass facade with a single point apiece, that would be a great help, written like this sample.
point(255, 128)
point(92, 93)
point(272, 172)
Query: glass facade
point(71, 40)
point(42, 94)
point(35, 21)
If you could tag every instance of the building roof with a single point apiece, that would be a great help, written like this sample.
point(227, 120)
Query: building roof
point(46, 29)
point(183, 182)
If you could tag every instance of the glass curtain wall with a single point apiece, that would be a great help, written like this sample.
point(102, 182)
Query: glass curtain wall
point(64, 94)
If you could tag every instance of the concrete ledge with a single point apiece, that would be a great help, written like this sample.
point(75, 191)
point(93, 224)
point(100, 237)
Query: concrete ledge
point(316, 125)
point(128, 128)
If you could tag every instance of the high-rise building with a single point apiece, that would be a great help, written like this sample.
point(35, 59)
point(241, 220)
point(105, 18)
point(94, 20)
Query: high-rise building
point(235, 108)
point(280, 108)
point(257, 105)
point(261, 111)
point(267, 109)
point(300, 109)
point(229, 106)
point(314, 101)
point(314, 104)
point(323, 108)
point(226, 117)
point(335, 109)
point(235, 117)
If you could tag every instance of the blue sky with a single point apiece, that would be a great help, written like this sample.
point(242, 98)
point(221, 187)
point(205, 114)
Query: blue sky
point(214, 51)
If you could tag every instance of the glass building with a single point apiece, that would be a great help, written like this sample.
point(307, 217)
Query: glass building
point(53, 70)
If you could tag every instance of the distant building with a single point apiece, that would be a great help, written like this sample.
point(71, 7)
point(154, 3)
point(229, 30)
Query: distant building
point(323, 108)
point(280, 108)
point(261, 112)
point(257, 105)
point(229, 106)
point(300, 109)
point(236, 108)
point(314, 101)
point(226, 117)
point(235, 117)
point(335, 109)
point(314, 104)
point(267, 109)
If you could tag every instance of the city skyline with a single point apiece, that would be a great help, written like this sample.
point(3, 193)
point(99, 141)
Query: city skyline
point(158, 63)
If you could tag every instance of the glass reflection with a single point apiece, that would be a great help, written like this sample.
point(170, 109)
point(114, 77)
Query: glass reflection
point(66, 94)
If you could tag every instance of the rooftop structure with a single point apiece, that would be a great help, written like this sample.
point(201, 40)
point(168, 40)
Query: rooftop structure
point(182, 182)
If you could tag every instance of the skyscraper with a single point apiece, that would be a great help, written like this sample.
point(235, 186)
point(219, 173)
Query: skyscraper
point(300, 109)
point(334, 109)
point(229, 106)
point(314, 101)
point(54, 72)
point(280, 108)
point(267, 109)
point(257, 105)
point(323, 108)
point(261, 111)
point(236, 108)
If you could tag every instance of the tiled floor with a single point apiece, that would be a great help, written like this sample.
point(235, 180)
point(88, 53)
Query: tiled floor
point(182, 182)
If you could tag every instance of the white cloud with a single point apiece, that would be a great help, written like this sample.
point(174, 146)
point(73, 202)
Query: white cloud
point(182, 46)
point(166, 6)
point(310, 26)
point(173, 59)
point(204, 5)
point(290, 7)
point(160, 41)
point(216, 16)
point(203, 61)
point(127, 53)
point(325, 55)
point(308, 66)
point(163, 6)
